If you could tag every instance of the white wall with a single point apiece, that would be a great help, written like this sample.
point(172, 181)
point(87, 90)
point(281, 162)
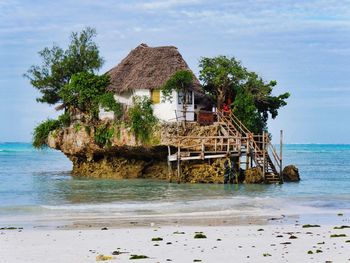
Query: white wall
point(105, 115)
point(125, 98)
point(165, 110)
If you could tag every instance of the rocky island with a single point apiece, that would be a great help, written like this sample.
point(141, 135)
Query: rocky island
point(150, 117)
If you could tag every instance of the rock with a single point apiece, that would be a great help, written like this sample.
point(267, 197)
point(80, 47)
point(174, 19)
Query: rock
point(290, 174)
point(253, 176)
point(203, 172)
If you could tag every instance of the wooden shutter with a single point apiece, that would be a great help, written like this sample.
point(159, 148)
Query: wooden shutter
point(155, 96)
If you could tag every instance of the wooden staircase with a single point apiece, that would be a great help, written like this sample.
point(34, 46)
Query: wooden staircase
point(258, 146)
point(233, 140)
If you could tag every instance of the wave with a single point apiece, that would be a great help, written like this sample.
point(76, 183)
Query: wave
point(234, 205)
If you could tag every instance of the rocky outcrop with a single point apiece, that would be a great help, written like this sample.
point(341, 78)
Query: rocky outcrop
point(125, 157)
point(254, 176)
point(203, 172)
point(120, 155)
point(291, 174)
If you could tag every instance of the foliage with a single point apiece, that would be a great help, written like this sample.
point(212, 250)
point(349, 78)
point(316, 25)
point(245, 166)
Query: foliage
point(264, 101)
point(181, 81)
point(103, 135)
point(108, 102)
point(221, 77)
point(41, 132)
point(87, 91)
point(141, 118)
point(226, 80)
point(77, 127)
point(64, 119)
point(245, 110)
point(58, 65)
point(87, 129)
point(83, 91)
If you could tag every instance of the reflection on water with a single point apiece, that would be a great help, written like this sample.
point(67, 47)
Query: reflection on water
point(63, 189)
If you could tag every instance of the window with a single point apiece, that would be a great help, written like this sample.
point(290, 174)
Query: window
point(180, 97)
point(155, 96)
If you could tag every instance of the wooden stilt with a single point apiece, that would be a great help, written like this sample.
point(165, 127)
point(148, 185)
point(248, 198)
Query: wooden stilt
point(178, 163)
point(281, 146)
point(170, 170)
point(247, 155)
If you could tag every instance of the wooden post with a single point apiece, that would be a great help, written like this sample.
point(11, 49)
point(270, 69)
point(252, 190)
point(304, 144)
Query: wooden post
point(247, 154)
point(215, 145)
point(170, 170)
point(178, 163)
point(239, 162)
point(202, 150)
point(281, 146)
point(263, 148)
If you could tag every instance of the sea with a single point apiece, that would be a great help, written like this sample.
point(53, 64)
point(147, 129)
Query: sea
point(36, 188)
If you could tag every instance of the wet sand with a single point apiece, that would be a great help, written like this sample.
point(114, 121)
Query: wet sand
point(275, 241)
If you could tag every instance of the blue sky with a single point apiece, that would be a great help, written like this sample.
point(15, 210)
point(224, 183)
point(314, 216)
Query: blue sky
point(304, 45)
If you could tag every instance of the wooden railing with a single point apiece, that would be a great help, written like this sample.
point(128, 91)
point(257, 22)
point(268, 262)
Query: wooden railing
point(207, 144)
point(260, 144)
point(237, 137)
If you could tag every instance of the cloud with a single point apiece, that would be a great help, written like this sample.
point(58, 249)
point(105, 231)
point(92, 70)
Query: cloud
point(161, 4)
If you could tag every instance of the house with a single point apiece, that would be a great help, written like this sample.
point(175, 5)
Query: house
point(143, 72)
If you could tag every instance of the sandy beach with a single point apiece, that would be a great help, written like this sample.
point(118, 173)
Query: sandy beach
point(175, 243)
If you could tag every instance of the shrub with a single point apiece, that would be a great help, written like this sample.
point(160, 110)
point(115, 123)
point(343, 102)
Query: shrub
point(64, 119)
point(41, 132)
point(77, 127)
point(108, 102)
point(141, 118)
point(103, 135)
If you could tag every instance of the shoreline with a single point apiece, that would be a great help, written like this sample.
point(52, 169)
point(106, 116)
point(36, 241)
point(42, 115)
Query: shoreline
point(250, 243)
point(86, 222)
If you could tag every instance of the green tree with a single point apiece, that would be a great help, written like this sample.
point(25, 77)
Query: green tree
point(87, 92)
point(226, 79)
point(181, 82)
point(58, 65)
point(221, 77)
point(245, 110)
point(264, 101)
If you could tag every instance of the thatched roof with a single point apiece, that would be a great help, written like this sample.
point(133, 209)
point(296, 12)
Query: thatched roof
point(147, 68)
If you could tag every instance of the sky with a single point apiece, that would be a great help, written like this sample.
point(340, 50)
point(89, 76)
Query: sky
point(303, 45)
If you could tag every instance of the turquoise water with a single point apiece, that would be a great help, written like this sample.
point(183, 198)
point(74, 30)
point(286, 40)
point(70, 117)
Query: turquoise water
point(37, 184)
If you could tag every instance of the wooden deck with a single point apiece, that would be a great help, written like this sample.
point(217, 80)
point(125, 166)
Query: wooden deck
point(235, 140)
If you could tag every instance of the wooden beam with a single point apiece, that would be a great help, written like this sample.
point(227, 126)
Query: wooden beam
point(281, 146)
